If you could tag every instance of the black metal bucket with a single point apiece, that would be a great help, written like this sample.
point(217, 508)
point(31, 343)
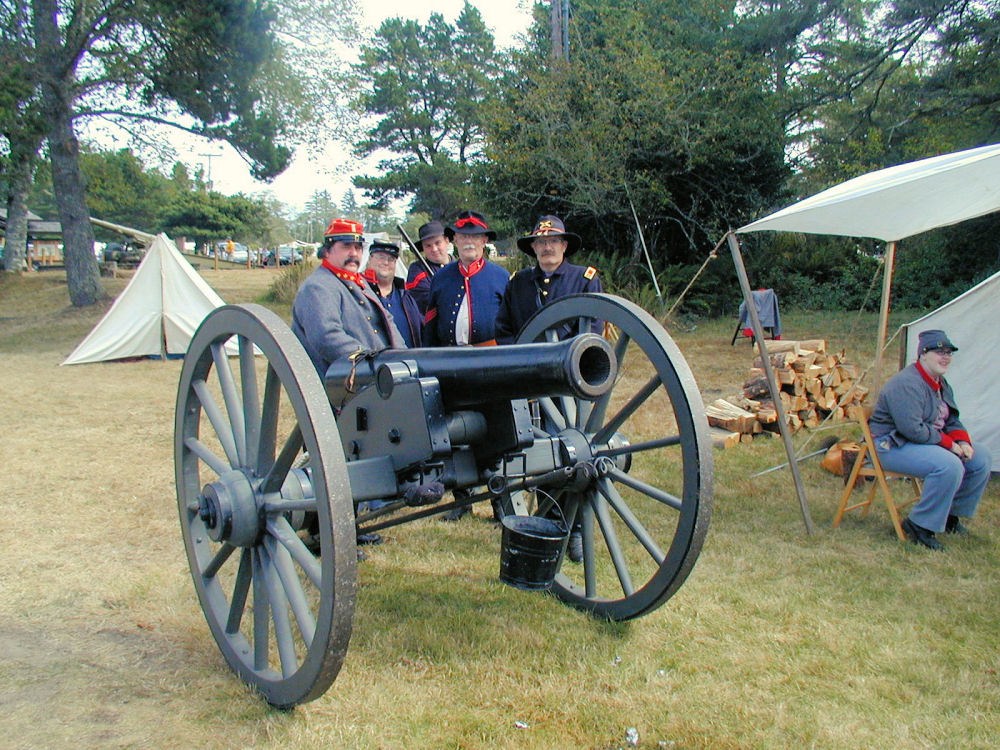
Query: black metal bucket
point(531, 548)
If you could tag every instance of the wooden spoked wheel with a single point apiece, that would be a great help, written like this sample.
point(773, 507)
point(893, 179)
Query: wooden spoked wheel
point(643, 496)
point(265, 504)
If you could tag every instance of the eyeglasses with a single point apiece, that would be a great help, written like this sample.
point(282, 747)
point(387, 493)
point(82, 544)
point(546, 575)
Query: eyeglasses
point(943, 352)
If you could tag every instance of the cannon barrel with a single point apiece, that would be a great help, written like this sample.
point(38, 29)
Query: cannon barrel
point(583, 366)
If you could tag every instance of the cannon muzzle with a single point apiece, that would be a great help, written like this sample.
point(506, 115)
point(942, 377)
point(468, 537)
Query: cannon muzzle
point(583, 366)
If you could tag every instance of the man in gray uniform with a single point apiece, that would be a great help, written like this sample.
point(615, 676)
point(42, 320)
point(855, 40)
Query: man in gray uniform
point(335, 313)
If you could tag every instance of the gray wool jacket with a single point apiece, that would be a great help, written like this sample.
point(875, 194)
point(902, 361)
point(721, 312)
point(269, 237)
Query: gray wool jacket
point(334, 318)
point(907, 407)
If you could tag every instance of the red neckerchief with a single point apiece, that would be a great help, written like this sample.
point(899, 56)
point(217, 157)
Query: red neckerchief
point(343, 273)
point(467, 273)
point(474, 268)
point(935, 384)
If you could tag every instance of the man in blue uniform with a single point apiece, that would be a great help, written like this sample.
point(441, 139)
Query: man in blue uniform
point(552, 277)
point(382, 258)
point(434, 241)
point(465, 297)
point(532, 288)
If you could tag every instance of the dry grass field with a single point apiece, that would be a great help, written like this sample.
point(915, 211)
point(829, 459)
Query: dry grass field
point(843, 639)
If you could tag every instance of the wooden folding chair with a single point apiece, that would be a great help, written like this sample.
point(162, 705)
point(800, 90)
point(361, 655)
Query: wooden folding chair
point(868, 465)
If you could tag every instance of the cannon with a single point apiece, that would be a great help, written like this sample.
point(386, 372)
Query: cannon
point(274, 464)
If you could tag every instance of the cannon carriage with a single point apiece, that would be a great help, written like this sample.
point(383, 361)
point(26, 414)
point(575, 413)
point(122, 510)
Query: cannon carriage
point(274, 466)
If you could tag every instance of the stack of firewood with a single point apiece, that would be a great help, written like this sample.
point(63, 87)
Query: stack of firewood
point(813, 383)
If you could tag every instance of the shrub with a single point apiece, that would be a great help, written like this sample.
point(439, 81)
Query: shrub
point(284, 287)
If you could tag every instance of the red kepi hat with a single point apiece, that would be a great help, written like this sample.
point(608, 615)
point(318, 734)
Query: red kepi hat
point(344, 230)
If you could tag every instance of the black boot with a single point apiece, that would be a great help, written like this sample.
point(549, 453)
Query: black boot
point(954, 525)
point(920, 535)
point(456, 513)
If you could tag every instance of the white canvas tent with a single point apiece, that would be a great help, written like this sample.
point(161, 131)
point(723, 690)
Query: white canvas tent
point(969, 321)
point(156, 314)
point(895, 203)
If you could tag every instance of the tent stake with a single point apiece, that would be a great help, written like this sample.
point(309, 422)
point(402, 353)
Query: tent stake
point(772, 383)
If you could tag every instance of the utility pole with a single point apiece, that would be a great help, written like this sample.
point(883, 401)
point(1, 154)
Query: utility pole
point(209, 157)
point(559, 17)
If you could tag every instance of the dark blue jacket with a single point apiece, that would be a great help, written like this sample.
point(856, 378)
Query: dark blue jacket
point(418, 282)
point(410, 319)
point(448, 288)
point(530, 289)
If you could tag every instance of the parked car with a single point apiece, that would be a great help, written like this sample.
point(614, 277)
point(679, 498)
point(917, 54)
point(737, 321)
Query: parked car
point(286, 255)
point(125, 254)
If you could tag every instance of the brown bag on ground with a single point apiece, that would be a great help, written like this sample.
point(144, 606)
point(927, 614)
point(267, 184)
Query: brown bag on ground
point(841, 457)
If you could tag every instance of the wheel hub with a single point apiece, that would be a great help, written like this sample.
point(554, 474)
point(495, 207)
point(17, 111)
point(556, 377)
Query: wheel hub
point(228, 508)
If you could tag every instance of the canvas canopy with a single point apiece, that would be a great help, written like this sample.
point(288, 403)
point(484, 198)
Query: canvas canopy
point(895, 203)
point(157, 313)
point(900, 201)
point(972, 372)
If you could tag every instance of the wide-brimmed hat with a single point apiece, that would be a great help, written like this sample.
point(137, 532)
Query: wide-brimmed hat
point(344, 230)
point(381, 246)
point(471, 222)
point(433, 229)
point(550, 226)
point(934, 339)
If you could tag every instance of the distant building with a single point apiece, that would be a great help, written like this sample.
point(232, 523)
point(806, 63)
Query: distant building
point(44, 246)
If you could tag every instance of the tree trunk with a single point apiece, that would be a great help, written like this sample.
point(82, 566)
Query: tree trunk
point(17, 229)
point(22, 161)
point(57, 68)
point(82, 273)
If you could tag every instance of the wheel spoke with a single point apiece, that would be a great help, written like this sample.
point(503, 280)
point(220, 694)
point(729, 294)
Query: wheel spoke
point(600, 407)
point(275, 476)
point(614, 546)
point(251, 396)
point(216, 563)
point(550, 410)
point(569, 410)
point(261, 614)
point(279, 615)
point(281, 530)
point(292, 587)
point(268, 422)
point(647, 489)
point(231, 398)
point(222, 429)
point(586, 517)
point(647, 445)
point(241, 587)
point(621, 347)
point(611, 427)
point(203, 452)
point(610, 493)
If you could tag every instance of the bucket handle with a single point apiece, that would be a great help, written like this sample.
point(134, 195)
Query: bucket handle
point(562, 516)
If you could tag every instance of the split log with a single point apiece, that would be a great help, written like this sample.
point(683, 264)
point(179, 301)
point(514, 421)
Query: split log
point(767, 413)
point(816, 345)
point(778, 346)
point(723, 438)
point(730, 417)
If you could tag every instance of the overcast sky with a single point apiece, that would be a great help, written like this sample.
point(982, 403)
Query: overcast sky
point(505, 18)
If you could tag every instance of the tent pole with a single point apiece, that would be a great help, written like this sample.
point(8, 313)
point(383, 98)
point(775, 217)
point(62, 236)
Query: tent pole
point(772, 382)
point(883, 315)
